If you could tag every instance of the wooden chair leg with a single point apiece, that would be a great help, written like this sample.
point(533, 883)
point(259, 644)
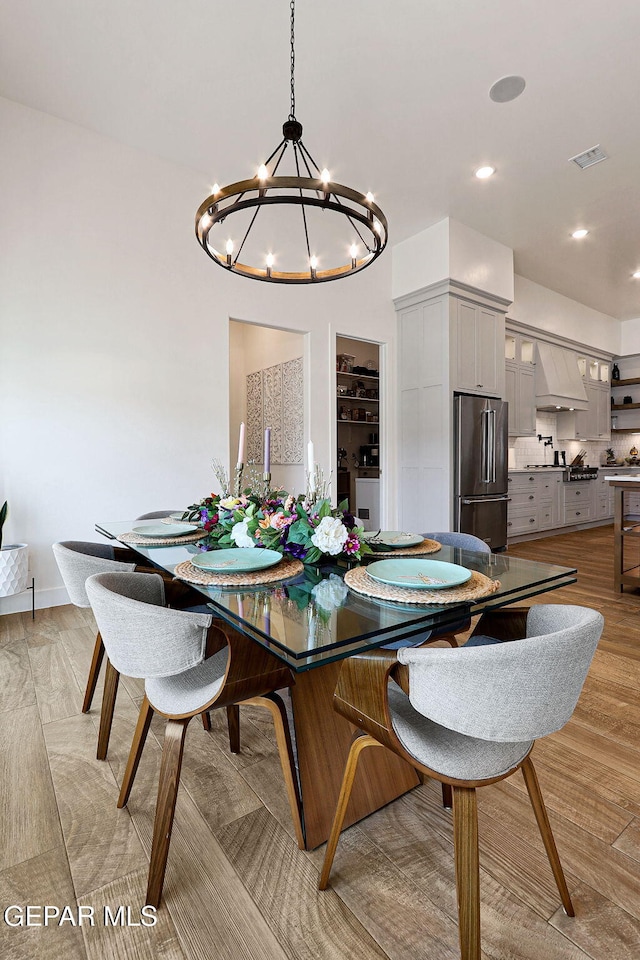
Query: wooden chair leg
point(358, 745)
point(447, 796)
point(206, 721)
point(142, 728)
point(233, 722)
point(465, 842)
point(108, 704)
point(274, 704)
point(94, 671)
point(172, 752)
point(535, 795)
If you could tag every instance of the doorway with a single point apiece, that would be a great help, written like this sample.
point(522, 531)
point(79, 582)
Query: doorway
point(266, 389)
point(358, 428)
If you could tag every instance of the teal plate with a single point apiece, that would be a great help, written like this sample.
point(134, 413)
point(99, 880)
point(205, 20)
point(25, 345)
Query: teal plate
point(165, 529)
point(237, 560)
point(418, 574)
point(393, 539)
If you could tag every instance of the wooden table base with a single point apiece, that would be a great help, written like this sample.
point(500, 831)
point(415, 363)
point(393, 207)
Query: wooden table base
point(323, 739)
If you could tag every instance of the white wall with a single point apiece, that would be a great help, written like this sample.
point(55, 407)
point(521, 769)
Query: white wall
point(114, 381)
point(253, 348)
point(451, 250)
point(630, 337)
point(548, 310)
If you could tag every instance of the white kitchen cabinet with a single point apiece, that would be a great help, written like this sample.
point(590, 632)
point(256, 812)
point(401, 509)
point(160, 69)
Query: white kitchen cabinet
point(520, 394)
point(592, 423)
point(534, 502)
point(478, 337)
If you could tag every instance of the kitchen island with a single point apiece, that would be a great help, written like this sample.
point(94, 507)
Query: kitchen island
point(626, 529)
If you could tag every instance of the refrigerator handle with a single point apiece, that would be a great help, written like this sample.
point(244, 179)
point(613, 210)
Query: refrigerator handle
point(488, 446)
point(504, 499)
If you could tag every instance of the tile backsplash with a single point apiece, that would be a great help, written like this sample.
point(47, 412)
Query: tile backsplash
point(525, 451)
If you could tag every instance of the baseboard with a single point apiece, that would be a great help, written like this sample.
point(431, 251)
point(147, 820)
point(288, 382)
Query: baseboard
point(556, 531)
point(19, 602)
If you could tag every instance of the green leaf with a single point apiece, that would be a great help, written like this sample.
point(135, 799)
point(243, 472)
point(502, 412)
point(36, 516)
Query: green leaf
point(325, 509)
point(313, 555)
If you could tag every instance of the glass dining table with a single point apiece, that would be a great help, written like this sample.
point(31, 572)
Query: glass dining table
point(312, 621)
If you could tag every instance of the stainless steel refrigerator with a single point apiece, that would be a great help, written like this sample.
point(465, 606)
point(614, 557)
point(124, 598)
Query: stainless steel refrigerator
point(480, 468)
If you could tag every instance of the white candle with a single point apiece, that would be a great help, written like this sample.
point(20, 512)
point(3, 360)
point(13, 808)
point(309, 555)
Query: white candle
point(267, 450)
point(311, 467)
point(241, 444)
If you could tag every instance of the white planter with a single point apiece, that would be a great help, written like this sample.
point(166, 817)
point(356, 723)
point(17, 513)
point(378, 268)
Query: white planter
point(14, 569)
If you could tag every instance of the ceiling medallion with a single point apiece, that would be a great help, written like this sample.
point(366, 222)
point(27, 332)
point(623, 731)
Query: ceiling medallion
point(306, 189)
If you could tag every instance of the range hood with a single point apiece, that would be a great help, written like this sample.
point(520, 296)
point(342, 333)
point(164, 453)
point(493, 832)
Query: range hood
point(558, 380)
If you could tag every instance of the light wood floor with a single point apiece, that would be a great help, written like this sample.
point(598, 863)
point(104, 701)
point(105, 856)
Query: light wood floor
point(238, 887)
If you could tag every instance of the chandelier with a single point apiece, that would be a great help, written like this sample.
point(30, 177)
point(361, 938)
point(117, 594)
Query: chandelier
point(301, 199)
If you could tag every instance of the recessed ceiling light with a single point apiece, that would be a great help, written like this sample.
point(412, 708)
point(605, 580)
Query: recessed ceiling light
point(506, 89)
point(579, 234)
point(636, 275)
point(482, 173)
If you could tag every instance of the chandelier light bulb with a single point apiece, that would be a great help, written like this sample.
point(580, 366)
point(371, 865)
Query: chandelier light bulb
point(313, 263)
point(215, 188)
point(325, 176)
point(229, 246)
point(206, 221)
point(636, 275)
point(377, 226)
point(263, 173)
point(353, 251)
point(369, 197)
point(270, 260)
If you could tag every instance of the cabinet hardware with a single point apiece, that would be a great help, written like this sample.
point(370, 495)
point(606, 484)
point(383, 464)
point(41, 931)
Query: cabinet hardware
point(531, 496)
point(532, 520)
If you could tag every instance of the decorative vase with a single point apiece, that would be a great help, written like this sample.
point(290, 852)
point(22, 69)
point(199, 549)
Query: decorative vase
point(14, 569)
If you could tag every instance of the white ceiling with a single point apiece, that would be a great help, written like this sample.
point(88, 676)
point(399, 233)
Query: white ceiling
point(394, 99)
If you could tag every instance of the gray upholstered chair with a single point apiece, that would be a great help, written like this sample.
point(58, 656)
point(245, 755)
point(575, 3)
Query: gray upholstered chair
point(464, 541)
point(156, 514)
point(189, 666)
point(470, 717)
point(79, 559)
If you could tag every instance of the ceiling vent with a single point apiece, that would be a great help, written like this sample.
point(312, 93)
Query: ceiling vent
point(589, 157)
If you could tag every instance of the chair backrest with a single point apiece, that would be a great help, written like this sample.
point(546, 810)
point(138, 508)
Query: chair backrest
point(465, 541)
point(157, 514)
point(142, 637)
point(78, 559)
point(510, 691)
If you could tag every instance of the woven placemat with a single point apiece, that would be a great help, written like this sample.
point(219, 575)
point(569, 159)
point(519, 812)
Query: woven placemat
point(288, 567)
point(478, 586)
point(427, 546)
point(162, 541)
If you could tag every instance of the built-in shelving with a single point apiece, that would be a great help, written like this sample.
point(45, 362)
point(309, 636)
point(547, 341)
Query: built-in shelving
point(625, 429)
point(363, 376)
point(630, 382)
point(625, 406)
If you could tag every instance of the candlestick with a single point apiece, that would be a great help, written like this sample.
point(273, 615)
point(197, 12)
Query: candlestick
point(267, 450)
point(241, 444)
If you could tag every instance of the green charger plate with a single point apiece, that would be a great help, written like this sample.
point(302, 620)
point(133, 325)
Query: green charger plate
point(237, 560)
point(418, 574)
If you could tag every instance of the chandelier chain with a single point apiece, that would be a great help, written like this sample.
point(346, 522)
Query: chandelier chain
point(292, 115)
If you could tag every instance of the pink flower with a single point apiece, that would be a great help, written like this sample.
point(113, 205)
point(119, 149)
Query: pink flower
point(351, 544)
point(278, 521)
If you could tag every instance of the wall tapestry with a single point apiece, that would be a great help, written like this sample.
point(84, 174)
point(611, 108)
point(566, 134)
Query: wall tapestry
point(275, 399)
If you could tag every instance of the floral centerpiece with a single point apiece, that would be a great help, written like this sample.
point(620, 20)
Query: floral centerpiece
point(302, 527)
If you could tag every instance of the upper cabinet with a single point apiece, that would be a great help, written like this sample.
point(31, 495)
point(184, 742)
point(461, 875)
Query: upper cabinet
point(594, 422)
point(477, 338)
point(519, 384)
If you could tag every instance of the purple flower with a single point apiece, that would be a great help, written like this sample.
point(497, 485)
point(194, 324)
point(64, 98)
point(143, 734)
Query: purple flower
point(296, 550)
point(349, 520)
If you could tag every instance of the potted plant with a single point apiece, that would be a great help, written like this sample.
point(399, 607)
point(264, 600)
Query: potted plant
point(14, 563)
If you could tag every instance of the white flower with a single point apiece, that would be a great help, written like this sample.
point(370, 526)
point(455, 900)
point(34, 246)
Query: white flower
point(330, 594)
point(240, 534)
point(330, 536)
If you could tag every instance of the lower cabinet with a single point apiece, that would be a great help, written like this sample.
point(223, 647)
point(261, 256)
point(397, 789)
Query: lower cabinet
point(533, 502)
point(578, 502)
